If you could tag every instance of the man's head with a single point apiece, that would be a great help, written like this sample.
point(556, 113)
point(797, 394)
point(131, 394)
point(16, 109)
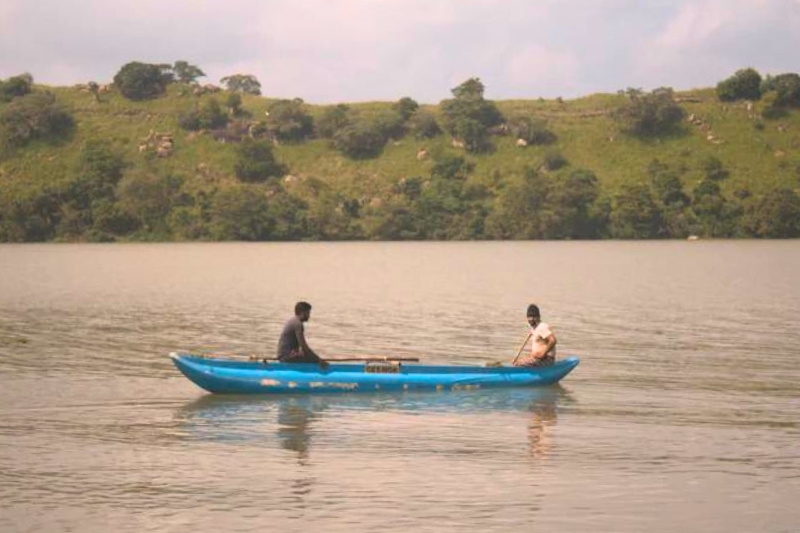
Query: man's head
point(302, 310)
point(533, 315)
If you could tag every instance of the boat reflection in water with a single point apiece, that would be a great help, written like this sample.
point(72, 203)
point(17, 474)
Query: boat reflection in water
point(291, 421)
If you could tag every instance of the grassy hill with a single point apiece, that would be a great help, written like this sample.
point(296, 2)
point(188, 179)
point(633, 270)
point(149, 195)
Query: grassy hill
point(760, 155)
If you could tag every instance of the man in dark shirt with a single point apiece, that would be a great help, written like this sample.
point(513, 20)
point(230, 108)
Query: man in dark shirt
point(292, 345)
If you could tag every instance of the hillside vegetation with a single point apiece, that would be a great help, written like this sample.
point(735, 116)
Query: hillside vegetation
point(192, 162)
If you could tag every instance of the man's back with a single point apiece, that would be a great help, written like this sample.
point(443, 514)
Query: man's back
point(288, 345)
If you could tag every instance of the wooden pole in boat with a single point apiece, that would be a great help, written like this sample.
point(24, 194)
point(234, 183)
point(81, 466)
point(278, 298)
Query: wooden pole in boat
point(521, 348)
point(370, 359)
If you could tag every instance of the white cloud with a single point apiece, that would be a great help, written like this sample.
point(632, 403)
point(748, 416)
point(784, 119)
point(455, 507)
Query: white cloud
point(536, 70)
point(347, 50)
point(707, 40)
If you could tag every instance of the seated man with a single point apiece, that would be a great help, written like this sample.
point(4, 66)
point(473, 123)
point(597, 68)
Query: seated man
point(543, 344)
point(292, 345)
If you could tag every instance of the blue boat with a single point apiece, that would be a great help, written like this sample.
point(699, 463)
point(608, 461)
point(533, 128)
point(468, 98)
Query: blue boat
point(227, 376)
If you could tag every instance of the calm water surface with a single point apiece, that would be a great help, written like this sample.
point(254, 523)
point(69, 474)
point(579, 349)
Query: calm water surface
point(684, 414)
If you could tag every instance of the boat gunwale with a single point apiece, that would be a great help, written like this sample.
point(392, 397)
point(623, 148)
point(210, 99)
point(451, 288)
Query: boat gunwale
point(275, 367)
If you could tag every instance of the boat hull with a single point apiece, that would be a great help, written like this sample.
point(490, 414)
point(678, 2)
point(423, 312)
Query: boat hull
point(226, 376)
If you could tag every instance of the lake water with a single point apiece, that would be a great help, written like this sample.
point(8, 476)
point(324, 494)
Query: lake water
point(684, 414)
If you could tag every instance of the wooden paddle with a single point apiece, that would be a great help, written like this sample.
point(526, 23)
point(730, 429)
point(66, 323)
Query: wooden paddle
point(521, 348)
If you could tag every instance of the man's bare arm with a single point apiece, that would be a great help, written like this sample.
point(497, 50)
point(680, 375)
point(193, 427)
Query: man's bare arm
point(550, 343)
point(306, 349)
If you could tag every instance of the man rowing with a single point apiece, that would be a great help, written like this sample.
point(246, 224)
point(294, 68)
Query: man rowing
point(543, 342)
point(292, 345)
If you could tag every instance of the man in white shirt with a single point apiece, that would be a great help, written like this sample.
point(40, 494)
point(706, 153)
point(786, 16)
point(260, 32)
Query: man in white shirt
point(543, 342)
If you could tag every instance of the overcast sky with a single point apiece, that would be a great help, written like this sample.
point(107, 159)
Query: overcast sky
point(328, 51)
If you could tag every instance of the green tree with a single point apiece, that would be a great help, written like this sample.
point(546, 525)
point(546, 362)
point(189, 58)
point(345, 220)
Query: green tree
point(635, 214)
point(423, 125)
point(33, 116)
point(521, 209)
point(256, 163)
point(573, 202)
point(234, 103)
point(288, 216)
point(390, 123)
point(745, 84)
point(671, 199)
point(667, 185)
point(472, 89)
point(474, 135)
point(533, 130)
point(332, 120)
point(142, 81)
point(30, 216)
point(451, 167)
point(554, 159)
point(110, 220)
point(468, 116)
point(240, 213)
point(449, 207)
point(187, 73)
point(717, 216)
point(391, 222)
point(775, 215)
point(288, 120)
point(87, 200)
point(649, 114)
point(188, 222)
point(405, 107)
point(206, 115)
point(360, 139)
point(148, 197)
point(15, 87)
point(714, 170)
point(242, 83)
point(328, 216)
point(787, 89)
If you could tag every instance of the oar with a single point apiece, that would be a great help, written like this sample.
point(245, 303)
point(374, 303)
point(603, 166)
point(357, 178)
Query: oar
point(521, 348)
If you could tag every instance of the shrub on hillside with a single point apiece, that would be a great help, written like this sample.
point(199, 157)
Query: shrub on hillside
point(649, 114)
point(360, 139)
point(473, 134)
point(775, 215)
point(240, 214)
point(288, 120)
point(15, 87)
point(33, 116)
point(573, 201)
point(142, 81)
point(208, 115)
point(533, 130)
point(390, 123)
point(405, 107)
point(423, 125)
point(717, 216)
point(745, 84)
point(332, 120)
point(786, 89)
point(146, 198)
point(451, 167)
point(554, 159)
point(714, 170)
point(234, 103)
point(667, 185)
point(635, 214)
point(256, 163)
